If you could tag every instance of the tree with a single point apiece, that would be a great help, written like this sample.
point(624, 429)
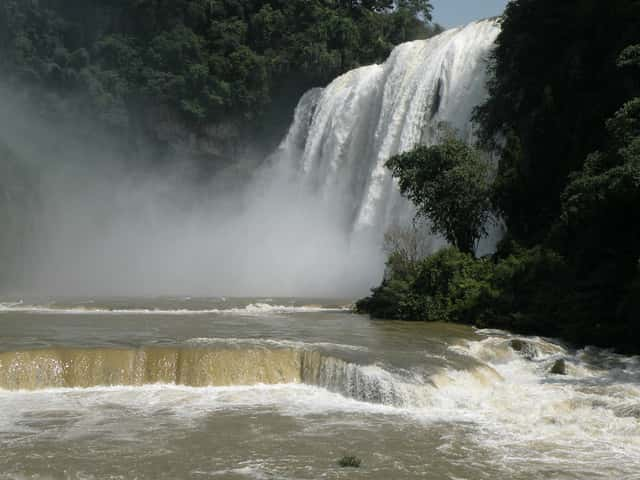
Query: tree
point(207, 60)
point(600, 222)
point(450, 185)
point(412, 243)
point(554, 83)
point(598, 230)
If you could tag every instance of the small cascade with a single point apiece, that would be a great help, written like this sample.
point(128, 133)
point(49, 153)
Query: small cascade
point(196, 367)
point(61, 367)
point(193, 367)
point(370, 383)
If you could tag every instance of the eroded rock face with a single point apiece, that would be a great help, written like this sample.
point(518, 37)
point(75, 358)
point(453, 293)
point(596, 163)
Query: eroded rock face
point(632, 410)
point(524, 348)
point(559, 367)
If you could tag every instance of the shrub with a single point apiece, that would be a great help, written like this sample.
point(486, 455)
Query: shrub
point(450, 285)
point(446, 286)
point(529, 288)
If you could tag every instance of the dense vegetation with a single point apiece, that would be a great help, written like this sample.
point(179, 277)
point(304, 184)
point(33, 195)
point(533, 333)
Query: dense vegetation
point(206, 60)
point(450, 184)
point(555, 83)
point(564, 118)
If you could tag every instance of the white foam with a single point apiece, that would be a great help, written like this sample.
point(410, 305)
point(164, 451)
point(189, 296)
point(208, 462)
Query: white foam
point(268, 342)
point(251, 309)
point(532, 415)
point(182, 402)
point(251, 471)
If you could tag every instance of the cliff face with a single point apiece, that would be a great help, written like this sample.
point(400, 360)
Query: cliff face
point(215, 143)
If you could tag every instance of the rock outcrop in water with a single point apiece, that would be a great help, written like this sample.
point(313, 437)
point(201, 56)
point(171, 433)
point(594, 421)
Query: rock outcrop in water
point(524, 348)
point(559, 367)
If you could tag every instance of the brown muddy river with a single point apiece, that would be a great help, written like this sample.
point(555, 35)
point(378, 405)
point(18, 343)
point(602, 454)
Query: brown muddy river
point(283, 388)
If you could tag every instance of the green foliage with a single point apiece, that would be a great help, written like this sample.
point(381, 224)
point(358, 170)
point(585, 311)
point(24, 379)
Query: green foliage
point(582, 283)
point(446, 286)
point(395, 298)
point(568, 181)
point(555, 82)
point(599, 227)
point(450, 284)
point(450, 185)
point(206, 59)
point(630, 57)
point(530, 291)
point(529, 288)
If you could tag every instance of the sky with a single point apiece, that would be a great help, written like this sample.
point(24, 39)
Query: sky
point(451, 13)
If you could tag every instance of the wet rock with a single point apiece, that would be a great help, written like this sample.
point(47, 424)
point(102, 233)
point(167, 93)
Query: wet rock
point(631, 411)
point(524, 348)
point(559, 368)
point(350, 461)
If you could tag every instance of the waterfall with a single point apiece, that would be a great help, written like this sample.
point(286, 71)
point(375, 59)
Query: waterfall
point(342, 135)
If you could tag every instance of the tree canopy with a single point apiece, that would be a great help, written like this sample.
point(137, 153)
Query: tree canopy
point(205, 59)
point(450, 184)
point(555, 81)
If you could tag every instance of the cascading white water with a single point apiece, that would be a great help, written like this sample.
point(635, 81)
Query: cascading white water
point(342, 135)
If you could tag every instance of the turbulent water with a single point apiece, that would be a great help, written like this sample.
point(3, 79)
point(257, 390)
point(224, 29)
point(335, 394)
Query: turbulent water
point(342, 135)
point(170, 388)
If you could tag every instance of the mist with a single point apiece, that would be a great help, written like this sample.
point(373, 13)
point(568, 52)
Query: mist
point(107, 225)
